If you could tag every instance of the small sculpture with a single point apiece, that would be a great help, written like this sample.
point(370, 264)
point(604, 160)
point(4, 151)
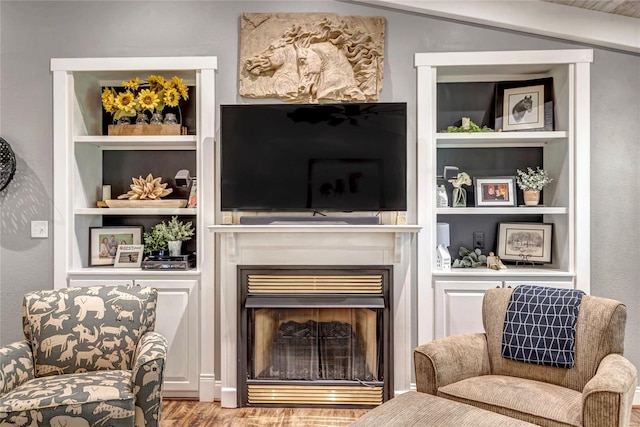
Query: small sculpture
point(494, 263)
point(148, 188)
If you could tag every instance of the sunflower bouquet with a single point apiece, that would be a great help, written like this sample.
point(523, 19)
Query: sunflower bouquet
point(138, 96)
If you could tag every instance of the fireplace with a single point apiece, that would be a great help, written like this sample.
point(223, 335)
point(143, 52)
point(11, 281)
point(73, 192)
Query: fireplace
point(314, 335)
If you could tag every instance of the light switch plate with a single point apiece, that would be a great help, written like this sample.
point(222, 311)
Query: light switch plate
point(39, 229)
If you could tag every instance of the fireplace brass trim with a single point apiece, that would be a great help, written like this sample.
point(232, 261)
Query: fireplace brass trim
point(316, 395)
point(306, 284)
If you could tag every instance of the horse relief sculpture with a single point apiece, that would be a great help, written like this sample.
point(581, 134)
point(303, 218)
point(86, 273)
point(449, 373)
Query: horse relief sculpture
point(311, 57)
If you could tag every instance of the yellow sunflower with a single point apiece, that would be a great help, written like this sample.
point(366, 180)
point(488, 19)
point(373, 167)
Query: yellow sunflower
point(125, 101)
point(148, 100)
point(108, 100)
point(182, 88)
point(171, 97)
point(132, 84)
point(156, 82)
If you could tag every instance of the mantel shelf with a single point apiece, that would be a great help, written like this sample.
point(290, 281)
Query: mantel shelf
point(314, 228)
point(230, 231)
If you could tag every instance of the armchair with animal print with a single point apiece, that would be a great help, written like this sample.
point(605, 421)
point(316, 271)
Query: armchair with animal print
point(90, 358)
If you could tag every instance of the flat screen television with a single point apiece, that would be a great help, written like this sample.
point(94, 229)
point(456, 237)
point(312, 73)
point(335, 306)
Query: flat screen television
point(314, 157)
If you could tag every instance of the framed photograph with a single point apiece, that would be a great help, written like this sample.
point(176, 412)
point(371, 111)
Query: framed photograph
point(104, 242)
point(129, 256)
point(495, 191)
point(527, 242)
point(524, 105)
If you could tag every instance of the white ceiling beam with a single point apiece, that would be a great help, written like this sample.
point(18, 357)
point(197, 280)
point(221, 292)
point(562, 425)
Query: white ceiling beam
point(532, 16)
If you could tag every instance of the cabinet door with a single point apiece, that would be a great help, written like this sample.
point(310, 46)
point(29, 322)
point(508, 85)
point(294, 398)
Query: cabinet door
point(458, 306)
point(177, 321)
point(82, 283)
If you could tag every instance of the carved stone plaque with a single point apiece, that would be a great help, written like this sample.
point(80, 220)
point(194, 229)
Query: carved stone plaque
point(311, 57)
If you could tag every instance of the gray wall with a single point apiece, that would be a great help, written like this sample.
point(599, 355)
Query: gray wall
point(33, 32)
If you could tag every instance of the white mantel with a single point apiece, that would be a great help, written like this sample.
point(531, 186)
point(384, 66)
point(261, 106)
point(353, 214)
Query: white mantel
point(314, 245)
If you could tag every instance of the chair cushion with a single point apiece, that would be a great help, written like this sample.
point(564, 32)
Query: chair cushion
point(84, 399)
point(87, 329)
point(528, 400)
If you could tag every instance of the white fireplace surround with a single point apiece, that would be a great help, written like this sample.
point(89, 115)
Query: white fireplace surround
point(314, 245)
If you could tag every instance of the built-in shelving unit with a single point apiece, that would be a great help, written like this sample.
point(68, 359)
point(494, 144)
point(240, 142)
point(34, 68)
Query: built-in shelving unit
point(450, 301)
point(81, 150)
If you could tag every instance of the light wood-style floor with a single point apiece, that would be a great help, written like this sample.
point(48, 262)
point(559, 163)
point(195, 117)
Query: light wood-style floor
point(182, 413)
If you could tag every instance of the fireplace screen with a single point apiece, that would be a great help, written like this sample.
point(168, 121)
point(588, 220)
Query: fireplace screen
point(314, 344)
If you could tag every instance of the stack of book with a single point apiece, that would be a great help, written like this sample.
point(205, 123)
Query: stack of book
point(180, 262)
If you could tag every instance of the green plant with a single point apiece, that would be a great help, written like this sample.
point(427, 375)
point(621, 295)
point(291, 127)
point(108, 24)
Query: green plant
point(175, 229)
point(154, 241)
point(471, 128)
point(533, 179)
point(469, 258)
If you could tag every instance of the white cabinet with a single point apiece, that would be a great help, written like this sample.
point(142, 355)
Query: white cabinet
point(452, 85)
point(177, 321)
point(86, 158)
point(458, 303)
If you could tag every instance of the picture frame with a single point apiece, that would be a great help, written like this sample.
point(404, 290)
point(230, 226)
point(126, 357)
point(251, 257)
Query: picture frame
point(103, 253)
point(524, 105)
point(495, 191)
point(129, 256)
point(525, 242)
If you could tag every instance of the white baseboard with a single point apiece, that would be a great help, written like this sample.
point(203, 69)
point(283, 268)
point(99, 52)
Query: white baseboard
point(636, 397)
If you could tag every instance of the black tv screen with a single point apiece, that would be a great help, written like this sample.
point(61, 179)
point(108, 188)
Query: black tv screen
point(314, 157)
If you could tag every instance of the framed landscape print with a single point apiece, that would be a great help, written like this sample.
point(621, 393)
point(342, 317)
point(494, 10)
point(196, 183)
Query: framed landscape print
point(524, 105)
point(522, 241)
point(104, 242)
point(495, 191)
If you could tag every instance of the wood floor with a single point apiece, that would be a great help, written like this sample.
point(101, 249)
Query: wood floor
point(181, 413)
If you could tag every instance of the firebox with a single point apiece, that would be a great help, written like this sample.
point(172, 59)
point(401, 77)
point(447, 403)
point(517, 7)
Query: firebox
point(314, 335)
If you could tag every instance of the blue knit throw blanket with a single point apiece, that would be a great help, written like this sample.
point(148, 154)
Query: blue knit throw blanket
point(540, 325)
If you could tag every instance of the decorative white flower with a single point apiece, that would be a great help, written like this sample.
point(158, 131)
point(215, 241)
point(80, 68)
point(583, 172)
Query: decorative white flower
point(462, 179)
point(533, 179)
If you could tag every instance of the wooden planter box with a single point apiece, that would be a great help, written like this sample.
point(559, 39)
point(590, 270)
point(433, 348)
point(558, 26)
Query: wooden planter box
point(128, 130)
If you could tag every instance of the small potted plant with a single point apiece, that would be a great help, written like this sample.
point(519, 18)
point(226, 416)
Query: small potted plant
point(531, 182)
point(173, 233)
point(459, 195)
point(154, 242)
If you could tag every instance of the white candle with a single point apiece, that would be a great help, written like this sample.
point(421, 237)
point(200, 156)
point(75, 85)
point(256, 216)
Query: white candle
point(106, 192)
point(466, 123)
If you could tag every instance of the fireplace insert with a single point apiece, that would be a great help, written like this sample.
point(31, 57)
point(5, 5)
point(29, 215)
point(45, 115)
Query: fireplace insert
point(314, 336)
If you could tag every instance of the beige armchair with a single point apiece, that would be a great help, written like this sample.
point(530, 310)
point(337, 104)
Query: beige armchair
point(597, 391)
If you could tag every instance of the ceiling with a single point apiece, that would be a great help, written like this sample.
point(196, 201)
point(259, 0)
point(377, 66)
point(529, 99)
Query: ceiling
point(617, 7)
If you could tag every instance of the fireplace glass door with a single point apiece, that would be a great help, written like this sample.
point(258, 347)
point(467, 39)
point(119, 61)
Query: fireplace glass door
point(310, 344)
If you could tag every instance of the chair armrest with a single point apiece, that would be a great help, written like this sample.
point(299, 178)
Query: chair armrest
point(608, 396)
point(16, 365)
point(148, 370)
point(449, 360)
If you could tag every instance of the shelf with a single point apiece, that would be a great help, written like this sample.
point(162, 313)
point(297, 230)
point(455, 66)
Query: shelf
point(511, 271)
point(136, 211)
point(155, 142)
point(130, 272)
point(497, 139)
point(538, 210)
point(314, 228)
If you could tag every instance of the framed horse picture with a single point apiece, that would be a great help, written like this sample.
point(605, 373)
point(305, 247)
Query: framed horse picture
point(524, 105)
